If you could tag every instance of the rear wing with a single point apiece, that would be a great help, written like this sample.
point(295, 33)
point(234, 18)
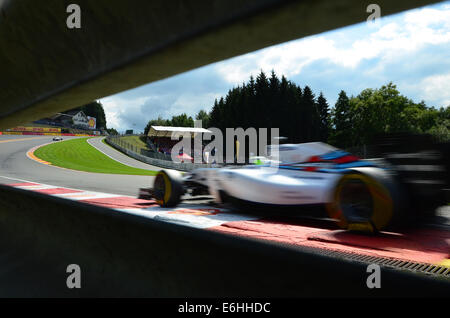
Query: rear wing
point(421, 164)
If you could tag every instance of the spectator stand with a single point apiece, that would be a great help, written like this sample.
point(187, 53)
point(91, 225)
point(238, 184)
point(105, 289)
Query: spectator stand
point(160, 137)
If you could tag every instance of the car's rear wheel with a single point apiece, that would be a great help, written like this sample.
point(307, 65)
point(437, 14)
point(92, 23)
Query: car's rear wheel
point(367, 200)
point(168, 188)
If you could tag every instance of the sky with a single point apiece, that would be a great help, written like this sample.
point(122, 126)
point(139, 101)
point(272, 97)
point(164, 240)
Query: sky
point(411, 49)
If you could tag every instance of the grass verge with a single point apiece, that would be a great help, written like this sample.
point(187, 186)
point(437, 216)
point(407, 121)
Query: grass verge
point(77, 154)
point(134, 141)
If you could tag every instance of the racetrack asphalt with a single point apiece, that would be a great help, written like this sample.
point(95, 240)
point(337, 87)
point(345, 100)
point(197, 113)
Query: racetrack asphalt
point(15, 167)
point(294, 230)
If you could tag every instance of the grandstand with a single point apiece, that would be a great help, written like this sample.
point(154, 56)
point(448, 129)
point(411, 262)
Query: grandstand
point(159, 139)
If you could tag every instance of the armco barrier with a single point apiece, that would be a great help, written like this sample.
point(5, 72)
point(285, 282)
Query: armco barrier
point(125, 255)
point(187, 166)
point(36, 129)
point(25, 133)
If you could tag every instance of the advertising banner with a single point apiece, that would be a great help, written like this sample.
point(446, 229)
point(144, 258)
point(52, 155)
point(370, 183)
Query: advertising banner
point(36, 129)
point(92, 122)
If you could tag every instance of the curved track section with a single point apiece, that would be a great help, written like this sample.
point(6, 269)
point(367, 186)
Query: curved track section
point(15, 167)
point(415, 247)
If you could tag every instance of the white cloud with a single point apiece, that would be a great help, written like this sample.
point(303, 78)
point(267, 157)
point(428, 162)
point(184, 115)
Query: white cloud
point(134, 113)
point(436, 88)
point(392, 38)
point(287, 59)
point(388, 46)
point(115, 107)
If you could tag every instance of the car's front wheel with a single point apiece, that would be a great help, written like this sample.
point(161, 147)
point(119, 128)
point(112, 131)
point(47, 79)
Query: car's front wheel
point(168, 188)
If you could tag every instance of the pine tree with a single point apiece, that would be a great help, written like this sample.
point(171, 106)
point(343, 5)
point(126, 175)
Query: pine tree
point(324, 114)
point(222, 115)
point(274, 82)
point(342, 122)
point(310, 120)
point(261, 107)
point(214, 115)
point(275, 110)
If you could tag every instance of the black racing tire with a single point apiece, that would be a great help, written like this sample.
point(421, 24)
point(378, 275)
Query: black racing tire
point(422, 167)
point(168, 188)
point(367, 199)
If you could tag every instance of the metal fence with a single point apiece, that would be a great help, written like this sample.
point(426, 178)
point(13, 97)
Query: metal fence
point(120, 141)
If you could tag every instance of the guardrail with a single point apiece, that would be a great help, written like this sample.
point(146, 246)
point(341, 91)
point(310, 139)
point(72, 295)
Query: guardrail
point(153, 158)
point(125, 255)
point(28, 133)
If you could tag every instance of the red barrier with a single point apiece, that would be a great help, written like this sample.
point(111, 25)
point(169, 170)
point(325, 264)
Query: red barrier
point(27, 133)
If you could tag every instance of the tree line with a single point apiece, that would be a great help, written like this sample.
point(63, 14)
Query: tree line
point(182, 120)
point(302, 116)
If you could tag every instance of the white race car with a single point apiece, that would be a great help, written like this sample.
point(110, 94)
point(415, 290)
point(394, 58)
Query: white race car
point(359, 194)
point(57, 138)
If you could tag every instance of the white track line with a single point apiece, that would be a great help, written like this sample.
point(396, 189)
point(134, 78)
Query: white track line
point(53, 187)
point(197, 216)
point(109, 155)
point(129, 157)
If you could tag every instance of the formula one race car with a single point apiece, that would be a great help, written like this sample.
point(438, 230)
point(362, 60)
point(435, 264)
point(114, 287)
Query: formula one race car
point(57, 138)
point(364, 195)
